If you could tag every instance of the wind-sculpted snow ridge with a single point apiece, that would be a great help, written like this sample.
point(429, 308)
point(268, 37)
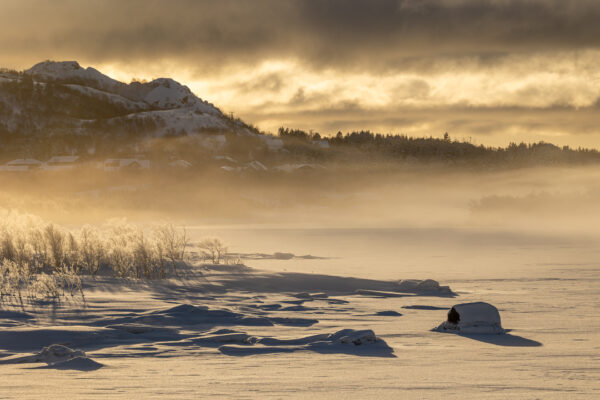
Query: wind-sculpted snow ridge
point(185, 315)
point(345, 341)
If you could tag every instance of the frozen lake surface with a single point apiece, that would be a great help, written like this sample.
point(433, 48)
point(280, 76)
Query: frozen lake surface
point(545, 286)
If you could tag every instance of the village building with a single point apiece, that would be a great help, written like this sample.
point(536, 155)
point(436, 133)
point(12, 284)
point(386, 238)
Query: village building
point(119, 164)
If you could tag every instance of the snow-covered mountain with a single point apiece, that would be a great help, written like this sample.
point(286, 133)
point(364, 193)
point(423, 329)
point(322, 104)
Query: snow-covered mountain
point(163, 93)
point(54, 98)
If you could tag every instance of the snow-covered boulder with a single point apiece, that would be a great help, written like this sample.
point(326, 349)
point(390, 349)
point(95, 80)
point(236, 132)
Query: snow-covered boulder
point(473, 318)
point(357, 338)
point(54, 353)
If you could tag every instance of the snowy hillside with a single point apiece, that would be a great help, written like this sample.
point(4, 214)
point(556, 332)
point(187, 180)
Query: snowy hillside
point(63, 98)
point(163, 93)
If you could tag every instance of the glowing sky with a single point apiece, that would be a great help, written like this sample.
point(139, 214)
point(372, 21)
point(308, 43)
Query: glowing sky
point(493, 70)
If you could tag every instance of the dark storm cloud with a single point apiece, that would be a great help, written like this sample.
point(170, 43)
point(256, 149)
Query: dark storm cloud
point(341, 34)
point(387, 65)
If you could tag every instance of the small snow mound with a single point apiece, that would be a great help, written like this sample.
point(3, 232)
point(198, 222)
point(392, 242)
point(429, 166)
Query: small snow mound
point(56, 353)
point(472, 318)
point(79, 364)
point(357, 338)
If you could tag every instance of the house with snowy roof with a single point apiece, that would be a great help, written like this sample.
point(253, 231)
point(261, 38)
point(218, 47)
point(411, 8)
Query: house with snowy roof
point(22, 165)
point(119, 164)
point(60, 163)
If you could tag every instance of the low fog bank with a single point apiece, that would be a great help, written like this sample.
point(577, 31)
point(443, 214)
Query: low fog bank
point(551, 200)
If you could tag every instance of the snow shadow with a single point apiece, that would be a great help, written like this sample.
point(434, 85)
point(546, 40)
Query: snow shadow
point(275, 256)
point(267, 282)
point(505, 339)
point(82, 364)
point(422, 307)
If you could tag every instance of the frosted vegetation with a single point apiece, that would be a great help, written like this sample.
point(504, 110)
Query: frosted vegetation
point(39, 260)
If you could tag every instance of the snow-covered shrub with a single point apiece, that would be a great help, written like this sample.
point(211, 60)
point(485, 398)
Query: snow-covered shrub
point(18, 281)
point(120, 254)
point(55, 241)
point(68, 280)
point(213, 249)
point(41, 256)
point(12, 279)
point(172, 244)
point(92, 250)
point(44, 286)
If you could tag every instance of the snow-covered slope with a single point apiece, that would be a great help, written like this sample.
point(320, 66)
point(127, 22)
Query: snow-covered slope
point(161, 93)
point(109, 97)
point(167, 93)
point(54, 98)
